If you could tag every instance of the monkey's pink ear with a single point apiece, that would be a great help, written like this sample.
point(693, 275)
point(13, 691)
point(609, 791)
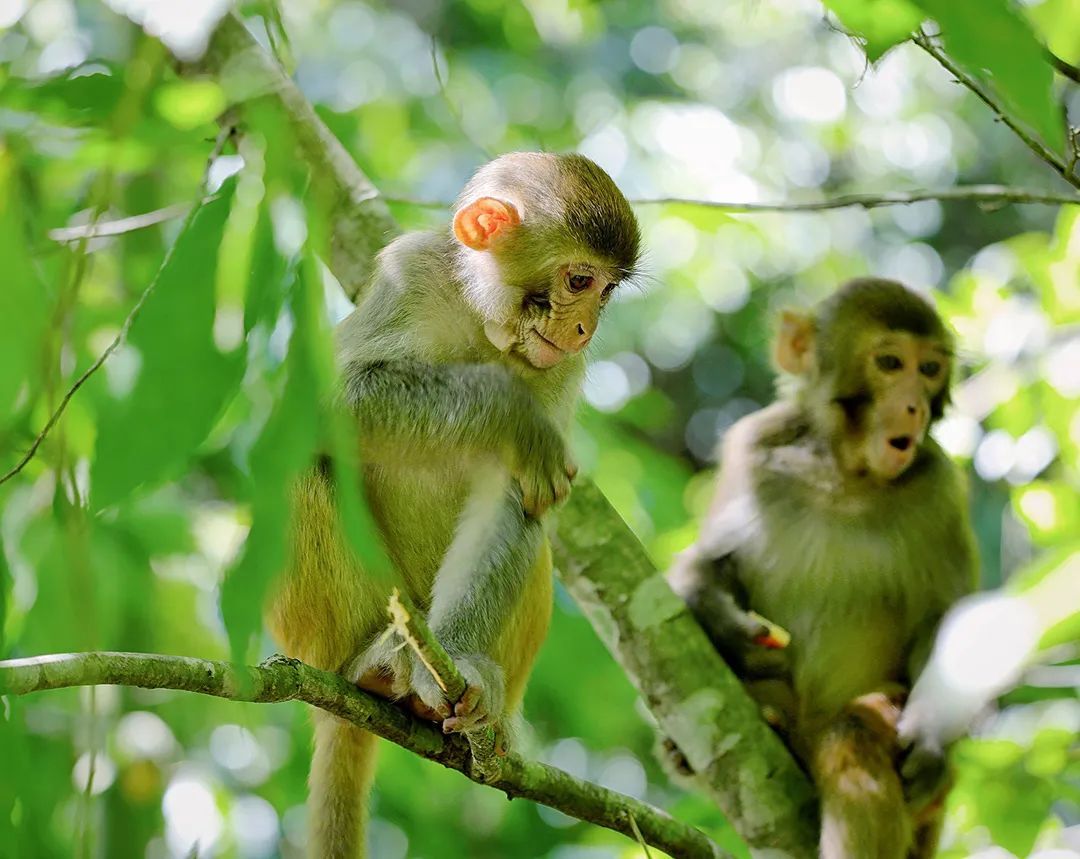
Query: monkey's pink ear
point(479, 224)
point(794, 351)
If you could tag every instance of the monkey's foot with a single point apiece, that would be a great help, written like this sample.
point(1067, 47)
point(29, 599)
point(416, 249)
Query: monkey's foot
point(482, 702)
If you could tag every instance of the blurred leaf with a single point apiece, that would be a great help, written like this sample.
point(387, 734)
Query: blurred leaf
point(1058, 22)
point(882, 23)
point(22, 297)
point(189, 104)
point(183, 380)
point(994, 43)
point(5, 589)
point(266, 286)
point(286, 445)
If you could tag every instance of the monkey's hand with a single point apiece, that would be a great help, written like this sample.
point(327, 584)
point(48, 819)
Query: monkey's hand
point(751, 645)
point(481, 704)
point(541, 464)
point(925, 773)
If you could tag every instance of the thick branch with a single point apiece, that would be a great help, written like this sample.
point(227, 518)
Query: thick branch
point(360, 221)
point(280, 679)
point(1030, 140)
point(695, 697)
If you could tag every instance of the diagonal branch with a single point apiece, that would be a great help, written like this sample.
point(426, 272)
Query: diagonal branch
point(1046, 154)
point(279, 679)
point(699, 703)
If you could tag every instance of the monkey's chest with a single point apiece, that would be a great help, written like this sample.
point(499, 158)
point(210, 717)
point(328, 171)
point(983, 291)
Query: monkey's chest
point(844, 592)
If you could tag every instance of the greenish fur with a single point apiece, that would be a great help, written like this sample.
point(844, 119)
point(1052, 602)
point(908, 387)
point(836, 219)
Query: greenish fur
point(857, 570)
point(444, 418)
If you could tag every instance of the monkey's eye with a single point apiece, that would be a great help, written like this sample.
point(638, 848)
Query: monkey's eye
point(610, 288)
point(888, 363)
point(538, 299)
point(579, 282)
point(930, 368)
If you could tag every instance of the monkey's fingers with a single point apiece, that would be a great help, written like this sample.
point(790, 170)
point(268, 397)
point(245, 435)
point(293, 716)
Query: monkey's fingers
point(469, 711)
point(422, 711)
point(769, 634)
point(571, 470)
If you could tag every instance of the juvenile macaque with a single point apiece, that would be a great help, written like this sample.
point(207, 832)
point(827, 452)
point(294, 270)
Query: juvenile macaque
point(461, 365)
point(838, 518)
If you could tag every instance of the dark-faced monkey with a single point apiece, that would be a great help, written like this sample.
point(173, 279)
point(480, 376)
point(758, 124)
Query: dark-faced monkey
point(461, 365)
point(837, 517)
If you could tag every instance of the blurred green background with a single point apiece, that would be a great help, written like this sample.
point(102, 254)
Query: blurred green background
point(749, 100)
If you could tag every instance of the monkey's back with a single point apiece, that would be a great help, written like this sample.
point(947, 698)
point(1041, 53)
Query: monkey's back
point(850, 570)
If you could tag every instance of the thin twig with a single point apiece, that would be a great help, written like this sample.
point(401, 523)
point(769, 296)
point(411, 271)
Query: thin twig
point(985, 195)
point(638, 836)
point(281, 679)
point(120, 225)
point(412, 627)
point(1033, 143)
point(1063, 68)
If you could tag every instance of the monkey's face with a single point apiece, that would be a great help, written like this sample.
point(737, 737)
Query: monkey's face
point(892, 392)
point(561, 319)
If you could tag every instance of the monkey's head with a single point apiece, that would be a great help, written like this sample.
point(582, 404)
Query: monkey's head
point(874, 362)
point(544, 241)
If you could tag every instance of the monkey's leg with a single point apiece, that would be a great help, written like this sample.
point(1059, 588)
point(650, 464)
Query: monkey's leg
point(519, 642)
point(342, 770)
point(863, 813)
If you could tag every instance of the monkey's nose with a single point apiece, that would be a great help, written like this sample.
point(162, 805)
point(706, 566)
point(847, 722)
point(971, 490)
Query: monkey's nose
point(581, 329)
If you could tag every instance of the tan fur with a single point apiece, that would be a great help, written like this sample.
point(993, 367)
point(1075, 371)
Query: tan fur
point(462, 412)
point(852, 544)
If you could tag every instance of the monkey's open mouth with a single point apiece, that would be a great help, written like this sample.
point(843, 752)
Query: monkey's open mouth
point(901, 442)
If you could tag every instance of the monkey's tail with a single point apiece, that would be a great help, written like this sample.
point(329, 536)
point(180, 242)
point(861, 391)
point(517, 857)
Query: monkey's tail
point(863, 813)
point(342, 770)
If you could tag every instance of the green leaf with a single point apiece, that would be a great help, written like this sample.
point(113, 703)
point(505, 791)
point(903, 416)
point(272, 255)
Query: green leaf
point(22, 298)
point(189, 104)
point(1058, 22)
point(992, 41)
point(266, 286)
point(882, 23)
point(5, 589)
point(183, 380)
point(286, 445)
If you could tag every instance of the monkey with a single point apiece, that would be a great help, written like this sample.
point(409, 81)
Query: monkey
point(837, 517)
point(460, 367)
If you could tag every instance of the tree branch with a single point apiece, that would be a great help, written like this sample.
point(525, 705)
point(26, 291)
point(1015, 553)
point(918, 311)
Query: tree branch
point(360, 221)
point(280, 679)
point(699, 703)
point(1046, 154)
point(411, 626)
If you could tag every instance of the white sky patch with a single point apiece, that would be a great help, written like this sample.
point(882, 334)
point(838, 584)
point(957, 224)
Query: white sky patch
point(184, 27)
point(607, 387)
point(809, 93)
point(192, 819)
point(958, 434)
point(995, 455)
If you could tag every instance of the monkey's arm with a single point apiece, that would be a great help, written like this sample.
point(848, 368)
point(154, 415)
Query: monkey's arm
point(715, 596)
point(476, 591)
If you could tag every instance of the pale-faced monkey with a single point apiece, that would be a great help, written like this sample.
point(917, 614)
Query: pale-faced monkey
point(837, 517)
point(461, 365)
